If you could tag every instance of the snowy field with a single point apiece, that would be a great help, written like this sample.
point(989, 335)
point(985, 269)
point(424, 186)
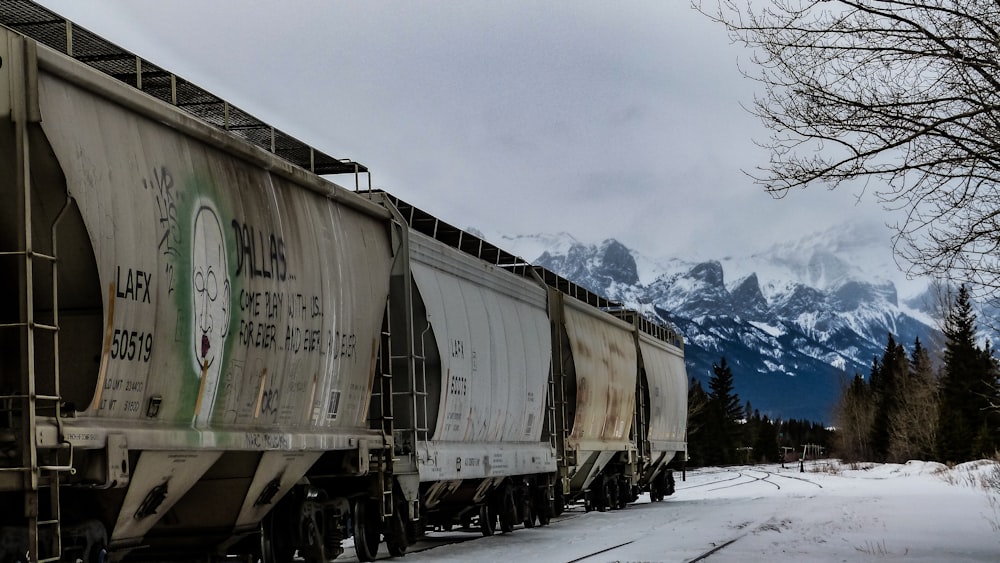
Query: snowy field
point(919, 511)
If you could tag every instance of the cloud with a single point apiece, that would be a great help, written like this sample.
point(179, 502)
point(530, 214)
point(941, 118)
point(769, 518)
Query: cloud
point(603, 120)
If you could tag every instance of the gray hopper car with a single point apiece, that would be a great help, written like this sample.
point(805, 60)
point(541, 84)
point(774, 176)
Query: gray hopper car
point(208, 350)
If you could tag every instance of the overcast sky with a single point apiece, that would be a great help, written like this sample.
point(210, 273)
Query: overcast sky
point(598, 119)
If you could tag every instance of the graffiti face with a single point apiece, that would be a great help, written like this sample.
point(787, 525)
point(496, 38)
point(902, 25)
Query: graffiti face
point(210, 291)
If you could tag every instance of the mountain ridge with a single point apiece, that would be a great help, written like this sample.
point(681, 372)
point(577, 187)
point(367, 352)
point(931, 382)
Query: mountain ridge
point(795, 321)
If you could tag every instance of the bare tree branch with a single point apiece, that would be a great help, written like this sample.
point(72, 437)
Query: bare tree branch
point(902, 95)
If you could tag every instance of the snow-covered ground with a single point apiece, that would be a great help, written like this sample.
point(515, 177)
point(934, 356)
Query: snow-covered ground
point(918, 511)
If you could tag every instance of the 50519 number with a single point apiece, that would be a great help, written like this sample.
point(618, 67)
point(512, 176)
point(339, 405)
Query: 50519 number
point(131, 345)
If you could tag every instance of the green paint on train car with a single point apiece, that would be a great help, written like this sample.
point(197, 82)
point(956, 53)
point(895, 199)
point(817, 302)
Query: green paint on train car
point(206, 296)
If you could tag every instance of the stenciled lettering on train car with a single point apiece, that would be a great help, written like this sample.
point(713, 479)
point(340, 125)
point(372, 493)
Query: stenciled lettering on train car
point(130, 331)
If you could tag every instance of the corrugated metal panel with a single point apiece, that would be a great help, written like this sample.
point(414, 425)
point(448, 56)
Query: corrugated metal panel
point(235, 297)
point(493, 339)
point(605, 357)
point(667, 378)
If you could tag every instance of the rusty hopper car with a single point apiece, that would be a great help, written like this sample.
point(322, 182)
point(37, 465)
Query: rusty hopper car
point(661, 404)
point(188, 324)
point(595, 370)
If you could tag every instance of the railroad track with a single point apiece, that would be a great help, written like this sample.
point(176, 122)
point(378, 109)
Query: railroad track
point(746, 473)
point(436, 539)
point(768, 477)
point(715, 480)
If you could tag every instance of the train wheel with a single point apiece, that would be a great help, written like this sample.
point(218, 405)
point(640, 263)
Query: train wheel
point(275, 543)
point(529, 510)
point(395, 533)
point(624, 492)
point(544, 516)
point(543, 507)
point(612, 484)
point(602, 492)
point(96, 550)
point(508, 511)
point(487, 520)
point(366, 530)
point(656, 488)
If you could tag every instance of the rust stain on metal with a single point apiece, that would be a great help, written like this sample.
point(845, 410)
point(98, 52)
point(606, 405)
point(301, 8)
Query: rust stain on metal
point(106, 352)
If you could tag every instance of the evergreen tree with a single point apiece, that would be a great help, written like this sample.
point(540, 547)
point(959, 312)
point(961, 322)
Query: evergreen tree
point(722, 427)
point(988, 444)
point(765, 446)
point(854, 415)
point(722, 391)
point(884, 380)
point(697, 414)
point(914, 422)
point(967, 385)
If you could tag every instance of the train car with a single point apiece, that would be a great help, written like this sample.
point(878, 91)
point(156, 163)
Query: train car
point(471, 356)
point(594, 371)
point(661, 403)
point(189, 324)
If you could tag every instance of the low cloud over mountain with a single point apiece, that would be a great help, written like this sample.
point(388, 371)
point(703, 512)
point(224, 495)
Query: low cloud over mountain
point(794, 322)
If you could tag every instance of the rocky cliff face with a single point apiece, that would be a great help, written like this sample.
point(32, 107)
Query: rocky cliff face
point(795, 324)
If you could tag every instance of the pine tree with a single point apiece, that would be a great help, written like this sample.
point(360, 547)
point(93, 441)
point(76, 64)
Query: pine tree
point(854, 415)
point(967, 385)
point(765, 446)
point(722, 391)
point(988, 388)
point(697, 415)
point(723, 415)
point(885, 381)
point(914, 423)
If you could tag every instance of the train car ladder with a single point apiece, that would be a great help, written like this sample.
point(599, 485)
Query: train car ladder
point(416, 398)
point(558, 406)
point(643, 406)
point(39, 459)
point(41, 472)
point(414, 357)
point(384, 420)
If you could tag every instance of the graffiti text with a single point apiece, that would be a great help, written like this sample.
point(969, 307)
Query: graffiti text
point(162, 186)
point(259, 255)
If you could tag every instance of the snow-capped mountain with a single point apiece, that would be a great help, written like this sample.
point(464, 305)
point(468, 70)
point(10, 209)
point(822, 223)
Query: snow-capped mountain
point(794, 321)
